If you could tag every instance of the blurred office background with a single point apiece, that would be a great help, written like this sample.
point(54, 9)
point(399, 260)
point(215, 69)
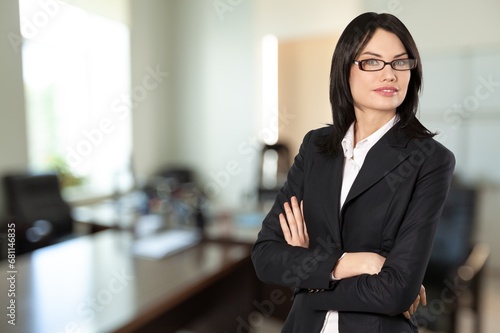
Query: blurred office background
point(110, 93)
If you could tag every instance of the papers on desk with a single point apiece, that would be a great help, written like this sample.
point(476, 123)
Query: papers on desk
point(161, 245)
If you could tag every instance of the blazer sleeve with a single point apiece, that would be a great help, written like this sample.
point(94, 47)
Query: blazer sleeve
point(394, 289)
point(274, 260)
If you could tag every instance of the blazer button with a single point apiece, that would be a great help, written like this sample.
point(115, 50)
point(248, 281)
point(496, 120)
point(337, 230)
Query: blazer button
point(316, 290)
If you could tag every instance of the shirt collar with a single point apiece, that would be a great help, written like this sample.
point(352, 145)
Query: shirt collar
point(368, 142)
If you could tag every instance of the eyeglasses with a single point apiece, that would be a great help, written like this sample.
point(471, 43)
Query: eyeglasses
point(372, 65)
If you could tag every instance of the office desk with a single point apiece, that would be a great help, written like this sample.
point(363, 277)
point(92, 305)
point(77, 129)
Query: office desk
point(93, 284)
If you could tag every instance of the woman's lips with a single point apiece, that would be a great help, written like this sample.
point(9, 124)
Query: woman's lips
point(387, 91)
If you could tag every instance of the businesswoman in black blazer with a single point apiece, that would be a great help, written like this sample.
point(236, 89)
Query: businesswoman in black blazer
point(352, 228)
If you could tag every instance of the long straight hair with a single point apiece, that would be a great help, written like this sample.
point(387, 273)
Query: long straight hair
point(352, 41)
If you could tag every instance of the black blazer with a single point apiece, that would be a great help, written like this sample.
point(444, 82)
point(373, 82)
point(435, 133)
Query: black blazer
point(393, 209)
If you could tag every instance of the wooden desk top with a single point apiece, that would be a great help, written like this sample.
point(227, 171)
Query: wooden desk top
point(94, 284)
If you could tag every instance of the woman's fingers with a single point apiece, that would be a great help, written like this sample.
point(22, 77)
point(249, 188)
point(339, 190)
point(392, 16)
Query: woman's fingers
point(285, 229)
point(306, 235)
point(414, 305)
point(293, 225)
point(411, 310)
point(421, 299)
point(423, 296)
point(297, 215)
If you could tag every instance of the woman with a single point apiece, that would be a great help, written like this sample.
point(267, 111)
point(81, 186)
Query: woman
point(372, 187)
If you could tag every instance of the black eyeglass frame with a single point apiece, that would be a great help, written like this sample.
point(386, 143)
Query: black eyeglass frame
point(413, 65)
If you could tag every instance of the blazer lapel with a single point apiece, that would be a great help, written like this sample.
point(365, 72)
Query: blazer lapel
point(383, 157)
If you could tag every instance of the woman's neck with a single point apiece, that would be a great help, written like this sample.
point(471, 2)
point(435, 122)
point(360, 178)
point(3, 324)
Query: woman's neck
point(367, 124)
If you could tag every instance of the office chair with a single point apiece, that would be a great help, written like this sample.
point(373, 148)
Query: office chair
point(41, 215)
point(456, 267)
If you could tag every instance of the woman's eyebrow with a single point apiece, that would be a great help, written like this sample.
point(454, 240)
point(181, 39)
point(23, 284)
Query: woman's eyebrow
point(400, 55)
point(380, 56)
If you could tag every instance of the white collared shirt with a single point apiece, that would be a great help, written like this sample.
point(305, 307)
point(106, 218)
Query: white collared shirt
point(353, 161)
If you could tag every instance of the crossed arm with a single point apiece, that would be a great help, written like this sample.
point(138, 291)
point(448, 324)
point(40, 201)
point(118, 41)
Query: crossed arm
point(351, 264)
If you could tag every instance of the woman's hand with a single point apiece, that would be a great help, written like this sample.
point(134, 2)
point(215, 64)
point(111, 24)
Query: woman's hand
point(421, 298)
point(293, 226)
point(357, 263)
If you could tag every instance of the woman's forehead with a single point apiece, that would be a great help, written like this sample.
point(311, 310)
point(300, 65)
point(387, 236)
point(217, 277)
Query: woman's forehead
point(383, 43)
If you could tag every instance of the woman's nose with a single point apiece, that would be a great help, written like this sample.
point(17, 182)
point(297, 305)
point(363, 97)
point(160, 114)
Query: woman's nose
point(387, 74)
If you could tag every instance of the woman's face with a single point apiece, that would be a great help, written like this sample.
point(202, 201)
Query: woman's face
point(380, 91)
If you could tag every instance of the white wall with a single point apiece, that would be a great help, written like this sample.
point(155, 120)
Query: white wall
point(117, 10)
point(291, 19)
point(215, 107)
point(205, 112)
point(445, 24)
point(13, 142)
point(151, 31)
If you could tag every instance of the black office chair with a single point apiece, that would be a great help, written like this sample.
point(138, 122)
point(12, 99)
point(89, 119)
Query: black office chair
point(453, 276)
point(34, 203)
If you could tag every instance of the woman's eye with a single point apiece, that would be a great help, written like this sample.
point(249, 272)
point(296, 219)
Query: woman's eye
point(372, 62)
point(400, 63)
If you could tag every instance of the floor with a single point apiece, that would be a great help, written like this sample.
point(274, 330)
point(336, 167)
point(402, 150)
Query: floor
point(490, 315)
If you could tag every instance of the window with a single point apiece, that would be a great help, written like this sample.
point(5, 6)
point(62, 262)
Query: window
point(77, 85)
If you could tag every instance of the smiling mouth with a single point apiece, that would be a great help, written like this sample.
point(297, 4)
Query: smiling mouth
point(387, 90)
